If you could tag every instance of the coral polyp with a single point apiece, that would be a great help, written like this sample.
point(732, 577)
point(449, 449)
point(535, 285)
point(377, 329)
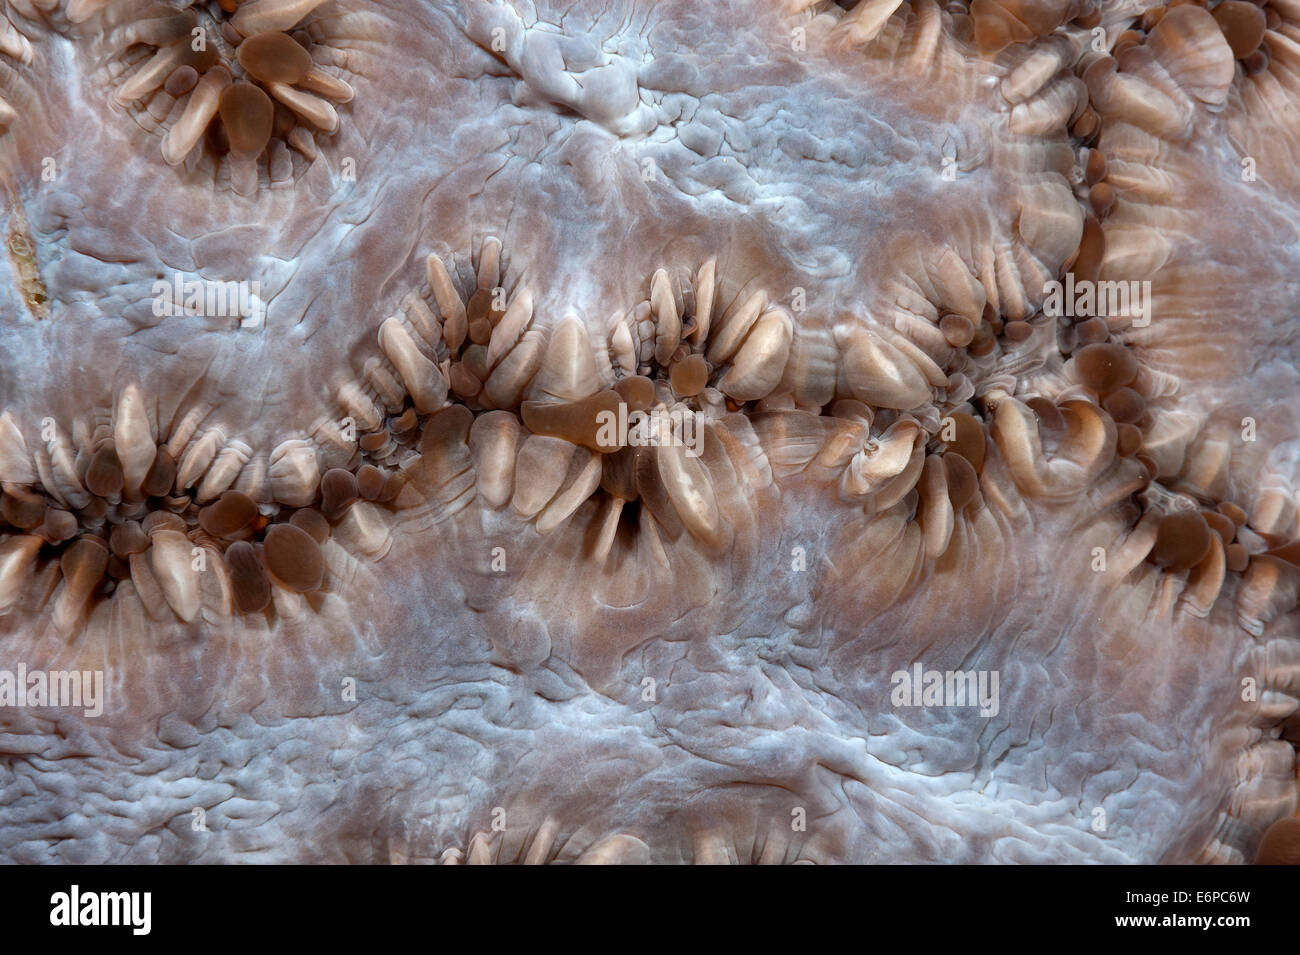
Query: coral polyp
point(649, 432)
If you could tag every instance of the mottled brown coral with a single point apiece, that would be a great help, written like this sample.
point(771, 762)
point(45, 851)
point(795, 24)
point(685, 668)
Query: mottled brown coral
point(650, 432)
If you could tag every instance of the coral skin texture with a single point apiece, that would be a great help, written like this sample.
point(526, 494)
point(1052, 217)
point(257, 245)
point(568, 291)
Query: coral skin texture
point(649, 432)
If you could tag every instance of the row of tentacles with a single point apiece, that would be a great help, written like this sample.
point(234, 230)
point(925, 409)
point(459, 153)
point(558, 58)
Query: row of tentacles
point(892, 416)
point(232, 84)
point(462, 367)
point(241, 83)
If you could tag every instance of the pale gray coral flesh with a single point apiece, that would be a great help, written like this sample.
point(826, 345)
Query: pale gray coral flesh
point(367, 583)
